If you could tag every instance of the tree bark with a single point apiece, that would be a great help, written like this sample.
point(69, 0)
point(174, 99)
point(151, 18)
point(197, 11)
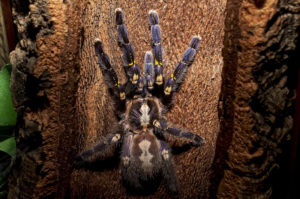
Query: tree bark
point(258, 98)
point(238, 94)
point(70, 108)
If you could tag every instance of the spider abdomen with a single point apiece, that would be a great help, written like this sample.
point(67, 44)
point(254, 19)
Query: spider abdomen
point(141, 158)
point(145, 151)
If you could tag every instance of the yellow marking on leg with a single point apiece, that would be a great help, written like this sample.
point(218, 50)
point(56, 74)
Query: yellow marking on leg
point(118, 83)
point(156, 123)
point(172, 76)
point(156, 62)
point(131, 63)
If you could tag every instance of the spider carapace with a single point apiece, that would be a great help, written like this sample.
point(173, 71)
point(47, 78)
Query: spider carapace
point(140, 105)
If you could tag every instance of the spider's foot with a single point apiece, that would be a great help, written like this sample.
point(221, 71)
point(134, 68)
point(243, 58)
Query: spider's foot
point(153, 17)
point(195, 42)
point(78, 162)
point(98, 46)
point(198, 141)
point(119, 16)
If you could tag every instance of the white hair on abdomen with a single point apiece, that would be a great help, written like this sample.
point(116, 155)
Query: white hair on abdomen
point(146, 156)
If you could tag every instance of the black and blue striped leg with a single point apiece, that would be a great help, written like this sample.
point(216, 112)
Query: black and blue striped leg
point(100, 150)
point(149, 71)
point(116, 90)
point(177, 77)
point(131, 69)
point(157, 52)
point(163, 127)
point(168, 169)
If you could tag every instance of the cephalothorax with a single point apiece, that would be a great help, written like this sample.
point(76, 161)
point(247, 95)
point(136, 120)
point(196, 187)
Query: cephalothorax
point(141, 104)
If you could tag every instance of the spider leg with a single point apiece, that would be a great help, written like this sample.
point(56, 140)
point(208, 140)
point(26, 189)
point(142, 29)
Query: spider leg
point(157, 51)
point(131, 69)
point(116, 89)
point(168, 170)
point(100, 150)
point(177, 77)
point(163, 127)
point(149, 71)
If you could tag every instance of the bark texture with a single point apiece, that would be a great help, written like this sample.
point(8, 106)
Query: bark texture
point(62, 100)
point(260, 48)
point(196, 103)
point(244, 109)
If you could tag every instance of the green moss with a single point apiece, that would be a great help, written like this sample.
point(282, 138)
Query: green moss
point(8, 115)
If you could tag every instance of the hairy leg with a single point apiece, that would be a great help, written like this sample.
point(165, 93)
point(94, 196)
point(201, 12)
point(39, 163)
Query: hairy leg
point(100, 150)
point(157, 52)
point(177, 77)
point(116, 89)
point(168, 169)
point(149, 71)
point(131, 69)
point(163, 127)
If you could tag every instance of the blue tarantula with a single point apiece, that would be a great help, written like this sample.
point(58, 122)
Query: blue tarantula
point(141, 104)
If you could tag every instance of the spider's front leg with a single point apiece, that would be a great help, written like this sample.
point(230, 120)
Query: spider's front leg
point(157, 52)
point(163, 127)
point(131, 69)
point(149, 70)
point(177, 77)
point(116, 89)
point(100, 150)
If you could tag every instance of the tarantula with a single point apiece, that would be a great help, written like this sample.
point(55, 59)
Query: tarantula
point(141, 104)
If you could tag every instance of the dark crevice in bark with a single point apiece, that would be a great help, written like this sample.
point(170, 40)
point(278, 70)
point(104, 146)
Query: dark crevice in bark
point(226, 108)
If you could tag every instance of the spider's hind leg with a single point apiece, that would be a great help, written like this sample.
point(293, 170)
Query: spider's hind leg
point(168, 169)
point(163, 127)
point(177, 77)
point(100, 150)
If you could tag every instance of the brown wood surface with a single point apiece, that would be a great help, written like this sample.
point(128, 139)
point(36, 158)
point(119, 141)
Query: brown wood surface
point(196, 103)
point(239, 94)
point(76, 110)
point(258, 98)
point(8, 20)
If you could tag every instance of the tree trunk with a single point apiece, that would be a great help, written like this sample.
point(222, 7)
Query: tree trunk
point(258, 98)
point(243, 106)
